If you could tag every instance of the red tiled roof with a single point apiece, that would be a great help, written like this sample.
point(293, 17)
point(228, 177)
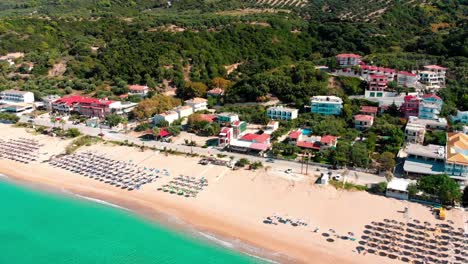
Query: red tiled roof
point(75, 99)
point(410, 97)
point(432, 96)
point(307, 144)
point(294, 134)
point(255, 137)
point(136, 87)
point(236, 123)
point(406, 73)
point(434, 67)
point(163, 133)
point(328, 139)
point(259, 146)
point(363, 117)
point(208, 117)
point(369, 109)
point(216, 91)
point(348, 55)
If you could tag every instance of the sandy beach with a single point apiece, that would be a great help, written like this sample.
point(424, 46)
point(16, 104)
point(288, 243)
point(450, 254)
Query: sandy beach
point(234, 204)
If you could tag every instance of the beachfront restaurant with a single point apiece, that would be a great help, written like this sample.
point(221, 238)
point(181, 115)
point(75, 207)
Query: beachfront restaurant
point(398, 188)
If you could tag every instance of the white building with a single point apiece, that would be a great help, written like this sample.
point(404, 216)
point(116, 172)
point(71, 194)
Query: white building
point(141, 90)
point(433, 124)
point(15, 96)
point(283, 113)
point(415, 133)
point(197, 104)
point(407, 79)
point(48, 100)
point(424, 160)
point(169, 116)
point(398, 188)
point(435, 75)
point(183, 111)
point(462, 117)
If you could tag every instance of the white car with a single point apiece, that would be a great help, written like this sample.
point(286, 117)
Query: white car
point(288, 171)
point(337, 177)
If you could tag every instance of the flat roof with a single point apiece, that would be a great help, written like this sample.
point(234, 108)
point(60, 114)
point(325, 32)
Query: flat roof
point(398, 184)
point(423, 166)
point(430, 151)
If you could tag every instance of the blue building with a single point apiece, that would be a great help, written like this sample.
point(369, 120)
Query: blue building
point(430, 107)
point(462, 117)
point(326, 105)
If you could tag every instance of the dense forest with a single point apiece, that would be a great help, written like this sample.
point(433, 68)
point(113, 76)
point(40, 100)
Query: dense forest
point(253, 50)
point(101, 43)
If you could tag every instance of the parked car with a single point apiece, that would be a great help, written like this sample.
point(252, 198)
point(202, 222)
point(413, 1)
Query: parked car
point(337, 177)
point(270, 160)
point(288, 171)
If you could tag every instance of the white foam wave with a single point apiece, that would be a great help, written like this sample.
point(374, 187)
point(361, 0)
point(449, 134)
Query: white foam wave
point(101, 202)
point(4, 176)
point(217, 240)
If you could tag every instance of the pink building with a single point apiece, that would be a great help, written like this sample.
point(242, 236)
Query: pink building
point(348, 59)
point(368, 70)
point(378, 83)
point(410, 106)
point(225, 136)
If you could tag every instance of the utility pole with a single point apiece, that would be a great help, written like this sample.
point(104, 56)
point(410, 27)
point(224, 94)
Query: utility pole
point(307, 164)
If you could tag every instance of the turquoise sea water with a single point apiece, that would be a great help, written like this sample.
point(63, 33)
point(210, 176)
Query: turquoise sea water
point(39, 228)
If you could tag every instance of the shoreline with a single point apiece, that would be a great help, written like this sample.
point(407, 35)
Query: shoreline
point(232, 209)
point(173, 223)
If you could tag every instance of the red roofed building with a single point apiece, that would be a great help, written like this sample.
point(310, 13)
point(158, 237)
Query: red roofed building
point(348, 59)
point(295, 136)
point(208, 117)
point(87, 106)
point(141, 90)
point(216, 92)
point(225, 136)
point(378, 83)
point(410, 106)
point(362, 122)
point(329, 141)
point(256, 138)
point(368, 70)
point(369, 110)
point(317, 142)
point(433, 76)
point(309, 145)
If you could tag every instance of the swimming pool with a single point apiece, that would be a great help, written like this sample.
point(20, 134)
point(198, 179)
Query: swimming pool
point(306, 131)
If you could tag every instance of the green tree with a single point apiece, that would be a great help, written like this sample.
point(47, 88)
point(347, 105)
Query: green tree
point(444, 187)
point(113, 120)
point(387, 161)
point(156, 131)
point(359, 155)
point(174, 130)
point(465, 197)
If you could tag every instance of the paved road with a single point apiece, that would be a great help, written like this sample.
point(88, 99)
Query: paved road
point(280, 165)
